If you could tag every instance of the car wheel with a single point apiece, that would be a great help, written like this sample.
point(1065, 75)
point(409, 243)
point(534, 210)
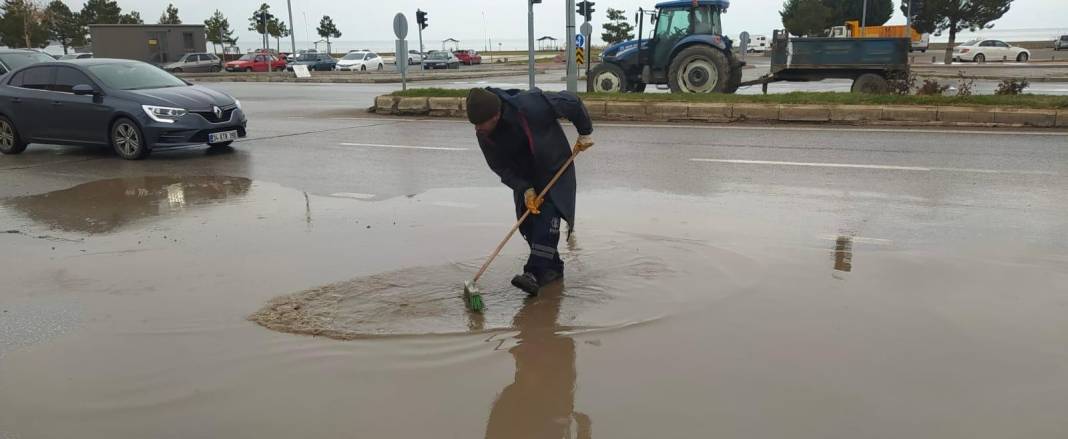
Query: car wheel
point(214, 69)
point(127, 140)
point(177, 70)
point(1022, 57)
point(363, 68)
point(381, 66)
point(248, 69)
point(410, 61)
point(979, 58)
point(10, 142)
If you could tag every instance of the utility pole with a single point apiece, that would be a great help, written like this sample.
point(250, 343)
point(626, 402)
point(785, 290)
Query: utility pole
point(572, 68)
point(530, 41)
point(863, 18)
point(292, 32)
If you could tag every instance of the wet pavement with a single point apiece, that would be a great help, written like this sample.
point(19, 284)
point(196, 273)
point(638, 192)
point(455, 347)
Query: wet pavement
point(727, 281)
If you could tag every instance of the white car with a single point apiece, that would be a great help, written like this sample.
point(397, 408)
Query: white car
point(414, 57)
point(360, 60)
point(989, 50)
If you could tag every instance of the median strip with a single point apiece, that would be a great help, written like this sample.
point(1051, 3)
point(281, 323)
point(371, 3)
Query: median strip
point(1041, 111)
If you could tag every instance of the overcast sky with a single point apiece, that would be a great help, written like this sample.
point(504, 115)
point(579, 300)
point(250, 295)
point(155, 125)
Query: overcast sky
point(364, 20)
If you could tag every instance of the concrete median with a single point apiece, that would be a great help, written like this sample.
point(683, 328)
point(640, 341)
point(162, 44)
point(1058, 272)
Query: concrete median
point(705, 112)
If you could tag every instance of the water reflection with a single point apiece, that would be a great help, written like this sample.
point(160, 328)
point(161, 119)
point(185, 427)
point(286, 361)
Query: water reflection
point(104, 206)
point(540, 403)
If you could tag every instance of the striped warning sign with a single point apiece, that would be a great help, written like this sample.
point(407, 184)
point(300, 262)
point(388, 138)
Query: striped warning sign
point(580, 56)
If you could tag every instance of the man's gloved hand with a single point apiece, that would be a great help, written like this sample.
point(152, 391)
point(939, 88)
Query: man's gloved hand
point(583, 143)
point(533, 201)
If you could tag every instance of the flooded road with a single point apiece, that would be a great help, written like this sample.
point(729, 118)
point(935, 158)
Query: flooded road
point(714, 288)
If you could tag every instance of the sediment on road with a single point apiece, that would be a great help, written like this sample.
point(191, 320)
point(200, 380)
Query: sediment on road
point(348, 77)
point(1050, 113)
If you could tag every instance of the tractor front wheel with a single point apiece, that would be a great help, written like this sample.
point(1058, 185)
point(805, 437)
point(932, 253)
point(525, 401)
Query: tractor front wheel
point(699, 69)
point(608, 78)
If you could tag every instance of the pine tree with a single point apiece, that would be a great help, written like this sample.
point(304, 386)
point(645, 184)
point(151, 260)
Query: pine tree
point(327, 29)
point(170, 16)
point(23, 24)
point(100, 12)
point(64, 26)
point(617, 29)
point(218, 30)
point(806, 17)
point(957, 15)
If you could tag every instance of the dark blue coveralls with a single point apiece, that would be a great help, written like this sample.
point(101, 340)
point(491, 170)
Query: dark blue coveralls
point(526, 149)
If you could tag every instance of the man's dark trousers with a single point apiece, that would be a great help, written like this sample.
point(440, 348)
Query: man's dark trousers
point(542, 233)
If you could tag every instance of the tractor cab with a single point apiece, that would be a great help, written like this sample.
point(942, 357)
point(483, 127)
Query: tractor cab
point(686, 50)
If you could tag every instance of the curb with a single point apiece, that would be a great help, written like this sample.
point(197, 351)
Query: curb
point(751, 112)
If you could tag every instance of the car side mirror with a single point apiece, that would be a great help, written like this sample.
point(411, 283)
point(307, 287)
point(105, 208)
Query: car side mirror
point(84, 90)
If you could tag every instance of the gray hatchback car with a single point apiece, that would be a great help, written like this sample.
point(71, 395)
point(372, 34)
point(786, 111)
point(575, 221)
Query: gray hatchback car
point(195, 63)
point(1061, 43)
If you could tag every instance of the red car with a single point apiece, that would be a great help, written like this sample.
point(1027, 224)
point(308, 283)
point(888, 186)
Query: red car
point(255, 62)
point(469, 57)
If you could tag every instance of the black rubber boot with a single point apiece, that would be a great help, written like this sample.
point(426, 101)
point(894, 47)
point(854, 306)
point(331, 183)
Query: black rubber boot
point(526, 282)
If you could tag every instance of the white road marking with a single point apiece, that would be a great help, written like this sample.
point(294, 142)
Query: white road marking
point(862, 166)
point(354, 195)
point(429, 148)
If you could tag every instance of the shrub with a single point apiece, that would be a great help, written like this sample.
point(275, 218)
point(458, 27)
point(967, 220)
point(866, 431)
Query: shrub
point(1012, 87)
point(931, 87)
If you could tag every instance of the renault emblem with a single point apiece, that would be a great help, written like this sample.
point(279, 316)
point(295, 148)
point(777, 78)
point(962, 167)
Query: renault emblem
point(218, 112)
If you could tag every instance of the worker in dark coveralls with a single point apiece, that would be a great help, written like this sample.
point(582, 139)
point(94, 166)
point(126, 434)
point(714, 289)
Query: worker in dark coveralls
point(521, 137)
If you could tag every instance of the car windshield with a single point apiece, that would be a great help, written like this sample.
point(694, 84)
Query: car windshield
point(355, 55)
point(439, 55)
point(247, 57)
point(134, 76)
point(308, 57)
point(15, 61)
point(1064, 38)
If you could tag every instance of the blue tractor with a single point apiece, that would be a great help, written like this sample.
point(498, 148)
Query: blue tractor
point(687, 51)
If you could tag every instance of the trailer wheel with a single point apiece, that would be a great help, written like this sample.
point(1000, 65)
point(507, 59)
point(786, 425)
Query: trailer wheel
point(871, 83)
point(699, 69)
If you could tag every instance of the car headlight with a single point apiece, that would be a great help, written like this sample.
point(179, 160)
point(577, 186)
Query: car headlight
point(163, 114)
point(237, 102)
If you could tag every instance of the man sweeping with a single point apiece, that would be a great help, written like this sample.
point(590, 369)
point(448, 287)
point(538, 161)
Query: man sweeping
point(521, 137)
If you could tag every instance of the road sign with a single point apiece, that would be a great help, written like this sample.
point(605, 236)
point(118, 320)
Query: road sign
point(580, 40)
point(301, 71)
point(400, 26)
point(586, 28)
point(580, 56)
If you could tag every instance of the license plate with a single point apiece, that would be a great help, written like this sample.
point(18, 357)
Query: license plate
point(224, 136)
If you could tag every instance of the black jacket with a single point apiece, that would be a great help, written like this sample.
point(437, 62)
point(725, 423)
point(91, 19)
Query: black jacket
point(529, 146)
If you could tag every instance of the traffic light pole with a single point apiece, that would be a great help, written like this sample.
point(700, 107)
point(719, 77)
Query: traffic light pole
point(572, 68)
point(530, 43)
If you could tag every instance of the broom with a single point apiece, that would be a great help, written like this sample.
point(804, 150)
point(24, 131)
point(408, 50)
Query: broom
point(472, 295)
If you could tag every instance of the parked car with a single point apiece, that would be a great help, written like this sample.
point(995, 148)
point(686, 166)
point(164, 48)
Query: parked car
point(361, 60)
point(414, 57)
point(315, 62)
point(133, 106)
point(469, 57)
point(195, 63)
point(14, 59)
point(75, 56)
point(1061, 43)
point(441, 60)
point(256, 62)
point(992, 50)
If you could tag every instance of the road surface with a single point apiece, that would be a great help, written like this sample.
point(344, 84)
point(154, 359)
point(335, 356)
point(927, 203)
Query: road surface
point(723, 281)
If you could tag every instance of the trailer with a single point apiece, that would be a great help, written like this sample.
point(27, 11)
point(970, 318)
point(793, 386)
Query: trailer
point(870, 62)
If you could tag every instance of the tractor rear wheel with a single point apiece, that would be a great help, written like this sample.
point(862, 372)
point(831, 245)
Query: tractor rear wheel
point(735, 80)
point(699, 69)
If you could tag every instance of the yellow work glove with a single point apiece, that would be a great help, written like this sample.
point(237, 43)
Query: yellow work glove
point(533, 201)
point(583, 143)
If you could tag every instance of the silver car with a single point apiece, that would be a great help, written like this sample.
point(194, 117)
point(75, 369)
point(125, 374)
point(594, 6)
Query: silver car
point(195, 63)
point(1061, 43)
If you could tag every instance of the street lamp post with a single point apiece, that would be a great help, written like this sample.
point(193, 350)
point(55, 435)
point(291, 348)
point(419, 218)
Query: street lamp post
point(530, 42)
point(292, 32)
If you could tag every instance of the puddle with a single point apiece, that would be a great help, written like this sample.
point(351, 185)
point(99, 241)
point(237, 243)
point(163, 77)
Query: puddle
point(610, 281)
point(105, 206)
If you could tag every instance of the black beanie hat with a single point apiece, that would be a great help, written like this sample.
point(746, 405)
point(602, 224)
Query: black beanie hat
point(482, 105)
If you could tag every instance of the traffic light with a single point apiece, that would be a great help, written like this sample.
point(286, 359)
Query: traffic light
point(585, 9)
point(420, 17)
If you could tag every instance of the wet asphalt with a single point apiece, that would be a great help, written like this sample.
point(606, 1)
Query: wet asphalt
point(728, 281)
